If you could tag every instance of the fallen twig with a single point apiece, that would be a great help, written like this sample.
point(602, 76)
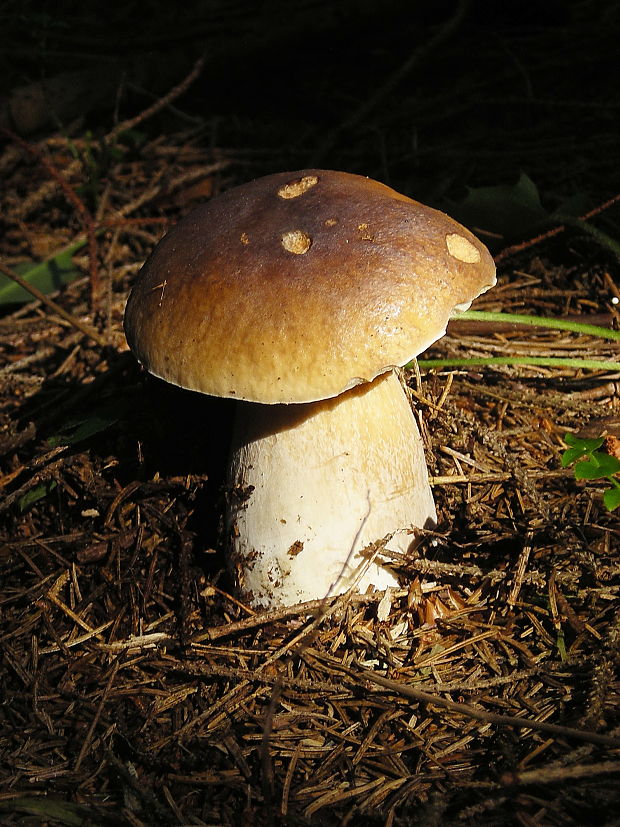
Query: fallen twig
point(408, 691)
point(513, 249)
point(159, 104)
point(87, 330)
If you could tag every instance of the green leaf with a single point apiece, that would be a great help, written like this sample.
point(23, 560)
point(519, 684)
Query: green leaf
point(77, 430)
point(586, 444)
point(35, 494)
point(570, 456)
point(611, 498)
point(587, 470)
point(608, 465)
point(507, 209)
point(596, 467)
point(48, 276)
point(48, 809)
point(579, 448)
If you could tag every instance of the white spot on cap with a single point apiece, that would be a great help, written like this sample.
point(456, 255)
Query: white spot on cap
point(365, 233)
point(297, 187)
point(296, 241)
point(462, 249)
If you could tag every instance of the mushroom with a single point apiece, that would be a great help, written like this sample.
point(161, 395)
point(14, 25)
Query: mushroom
point(300, 294)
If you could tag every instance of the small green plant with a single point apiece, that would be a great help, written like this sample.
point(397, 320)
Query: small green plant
point(593, 464)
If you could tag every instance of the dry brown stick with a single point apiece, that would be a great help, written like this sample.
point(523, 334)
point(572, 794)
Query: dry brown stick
point(266, 763)
point(517, 580)
point(301, 610)
point(159, 104)
point(202, 669)
point(283, 613)
point(45, 190)
point(498, 476)
point(148, 641)
point(91, 730)
point(480, 714)
point(10, 442)
point(87, 330)
point(15, 367)
point(155, 191)
point(535, 577)
point(549, 775)
point(134, 222)
point(530, 242)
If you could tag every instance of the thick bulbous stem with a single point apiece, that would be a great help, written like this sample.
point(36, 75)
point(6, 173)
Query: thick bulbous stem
point(314, 485)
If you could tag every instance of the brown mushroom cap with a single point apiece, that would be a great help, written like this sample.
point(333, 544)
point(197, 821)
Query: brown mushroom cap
point(300, 285)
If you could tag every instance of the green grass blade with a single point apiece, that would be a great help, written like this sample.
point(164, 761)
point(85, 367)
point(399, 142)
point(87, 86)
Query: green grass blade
point(47, 809)
point(542, 361)
point(539, 321)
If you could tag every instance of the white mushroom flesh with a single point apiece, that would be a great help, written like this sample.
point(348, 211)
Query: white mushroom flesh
point(315, 485)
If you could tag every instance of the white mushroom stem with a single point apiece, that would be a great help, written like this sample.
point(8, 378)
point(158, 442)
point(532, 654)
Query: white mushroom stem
point(314, 485)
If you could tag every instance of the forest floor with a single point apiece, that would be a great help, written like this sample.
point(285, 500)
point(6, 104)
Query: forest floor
point(136, 689)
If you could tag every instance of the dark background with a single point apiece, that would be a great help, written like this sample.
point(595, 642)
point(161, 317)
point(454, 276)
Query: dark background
point(430, 98)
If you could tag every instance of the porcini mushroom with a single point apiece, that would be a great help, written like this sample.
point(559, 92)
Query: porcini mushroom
point(299, 294)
